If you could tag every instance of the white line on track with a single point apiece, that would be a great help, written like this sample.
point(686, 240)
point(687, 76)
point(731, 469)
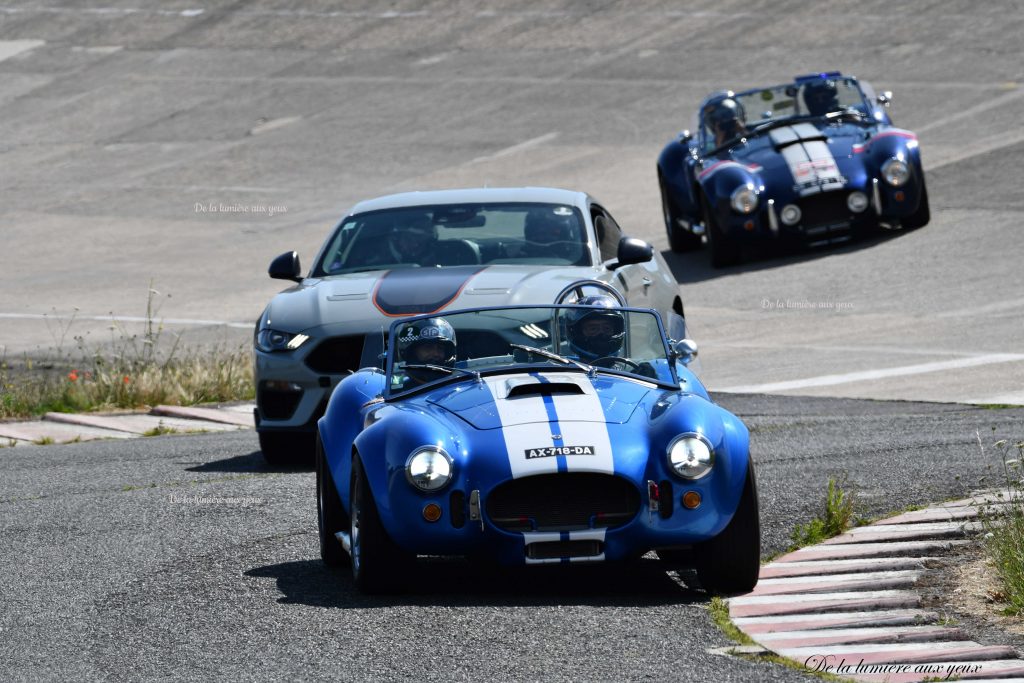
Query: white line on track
point(9, 48)
point(514, 149)
point(971, 112)
point(831, 380)
point(131, 319)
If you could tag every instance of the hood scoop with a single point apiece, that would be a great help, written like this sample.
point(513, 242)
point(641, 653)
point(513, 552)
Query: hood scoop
point(516, 389)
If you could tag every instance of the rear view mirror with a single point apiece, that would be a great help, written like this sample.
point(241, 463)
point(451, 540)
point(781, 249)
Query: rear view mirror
point(632, 250)
point(286, 267)
point(885, 98)
point(685, 350)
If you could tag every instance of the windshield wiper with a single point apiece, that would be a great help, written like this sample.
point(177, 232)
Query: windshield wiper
point(552, 356)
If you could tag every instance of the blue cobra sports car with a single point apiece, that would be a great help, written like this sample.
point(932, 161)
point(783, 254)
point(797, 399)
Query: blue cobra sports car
point(533, 435)
point(815, 161)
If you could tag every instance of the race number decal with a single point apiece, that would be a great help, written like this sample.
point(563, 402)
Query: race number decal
point(553, 451)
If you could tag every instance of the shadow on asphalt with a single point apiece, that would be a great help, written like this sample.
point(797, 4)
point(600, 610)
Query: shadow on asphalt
point(695, 266)
point(250, 462)
point(458, 582)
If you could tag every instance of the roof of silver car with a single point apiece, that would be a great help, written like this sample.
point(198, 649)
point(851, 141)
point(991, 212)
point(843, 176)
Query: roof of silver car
point(481, 195)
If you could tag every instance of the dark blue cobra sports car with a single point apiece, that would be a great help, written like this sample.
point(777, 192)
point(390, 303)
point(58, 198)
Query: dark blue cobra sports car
point(815, 161)
point(534, 435)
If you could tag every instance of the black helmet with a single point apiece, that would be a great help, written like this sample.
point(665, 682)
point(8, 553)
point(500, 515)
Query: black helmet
point(429, 333)
point(411, 236)
point(820, 97)
point(605, 341)
point(724, 116)
point(545, 226)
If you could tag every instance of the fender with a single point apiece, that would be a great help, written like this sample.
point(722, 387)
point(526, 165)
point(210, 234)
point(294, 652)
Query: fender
point(674, 166)
point(895, 143)
point(719, 180)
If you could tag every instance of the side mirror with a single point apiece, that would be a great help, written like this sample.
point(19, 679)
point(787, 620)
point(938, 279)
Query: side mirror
point(885, 98)
point(632, 250)
point(286, 267)
point(685, 136)
point(684, 350)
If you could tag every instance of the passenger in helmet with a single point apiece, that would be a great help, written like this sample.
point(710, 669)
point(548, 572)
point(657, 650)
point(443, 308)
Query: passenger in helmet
point(413, 240)
point(426, 342)
point(724, 118)
point(553, 231)
point(597, 332)
point(820, 97)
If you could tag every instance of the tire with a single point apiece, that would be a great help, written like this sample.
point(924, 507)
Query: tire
point(330, 515)
point(679, 240)
point(731, 561)
point(288, 449)
point(919, 218)
point(377, 563)
point(675, 557)
point(724, 251)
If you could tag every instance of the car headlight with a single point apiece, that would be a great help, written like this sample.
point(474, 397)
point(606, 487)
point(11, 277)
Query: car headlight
point(896, 172)
point(690, 456)
point(857, 202)
point(274, 340)
point(743, 199)
point(791, 214)
point(429, 468)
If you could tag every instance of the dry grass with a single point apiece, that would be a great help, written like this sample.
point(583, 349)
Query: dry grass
point(1004, 540)
point(132, 371)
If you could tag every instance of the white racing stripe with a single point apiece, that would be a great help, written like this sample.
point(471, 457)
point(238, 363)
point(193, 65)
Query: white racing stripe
point(810, 160)
point(526, 425)
point(531, 537)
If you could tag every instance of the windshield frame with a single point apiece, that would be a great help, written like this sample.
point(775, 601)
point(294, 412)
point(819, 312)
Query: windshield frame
point(463, 374)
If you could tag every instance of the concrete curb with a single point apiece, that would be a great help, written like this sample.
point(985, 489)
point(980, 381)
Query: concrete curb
point(72, 427)
point(847, 606)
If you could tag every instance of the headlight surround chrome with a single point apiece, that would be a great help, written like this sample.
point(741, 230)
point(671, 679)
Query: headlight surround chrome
point(271, 340)
point(857, 202)
point(690, 456)
point(744, 199)
point(429, 468)
point(896, 172)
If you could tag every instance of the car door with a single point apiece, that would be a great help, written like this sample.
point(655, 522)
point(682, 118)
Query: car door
point(633, 280)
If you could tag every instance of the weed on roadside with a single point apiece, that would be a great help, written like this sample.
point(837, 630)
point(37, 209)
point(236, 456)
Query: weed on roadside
point(1004, 526)
point(837, 516)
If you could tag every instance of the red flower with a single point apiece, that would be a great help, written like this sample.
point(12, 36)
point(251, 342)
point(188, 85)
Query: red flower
point(73, 375)
point(126, 379)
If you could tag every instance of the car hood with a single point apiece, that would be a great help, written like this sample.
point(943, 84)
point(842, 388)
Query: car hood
point(363, 300)
point(527, 398)
point(803, 153)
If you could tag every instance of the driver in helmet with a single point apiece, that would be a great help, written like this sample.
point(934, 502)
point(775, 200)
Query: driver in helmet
point(821, 97)
point(724, 118)
point(596, 333)
point(552, 232)
point(426, 342)
point(413, 240)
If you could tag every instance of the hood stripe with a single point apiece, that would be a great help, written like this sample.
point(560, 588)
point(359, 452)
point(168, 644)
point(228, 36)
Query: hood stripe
point(579, 420)
point(810, 161)
point(414, 291)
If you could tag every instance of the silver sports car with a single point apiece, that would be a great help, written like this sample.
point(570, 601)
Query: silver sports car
point(421, 252)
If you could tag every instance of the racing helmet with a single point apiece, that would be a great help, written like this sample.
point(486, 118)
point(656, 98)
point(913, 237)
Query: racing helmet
point(725, 116)
point(597, 331)
point(411, 237)
point(821, 97)
point(430, 341)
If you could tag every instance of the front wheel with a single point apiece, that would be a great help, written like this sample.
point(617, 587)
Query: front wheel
point(724, 251)
point(923, 214)
point(331, 517)
point(731, 561)
point(679, 240)
point(377, 563)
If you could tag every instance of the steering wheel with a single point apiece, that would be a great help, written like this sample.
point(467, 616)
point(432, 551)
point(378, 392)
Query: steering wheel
point(577, 289)
point(616, 360)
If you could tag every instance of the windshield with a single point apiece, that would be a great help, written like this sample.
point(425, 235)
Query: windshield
point(431, 349)
point(457, 235)
point(750, 109)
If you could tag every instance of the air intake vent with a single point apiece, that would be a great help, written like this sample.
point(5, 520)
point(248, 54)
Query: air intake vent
point(563, 502)
point(544, 389)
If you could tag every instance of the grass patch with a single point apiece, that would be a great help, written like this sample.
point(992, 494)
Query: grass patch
point(44, 441)
point(837, 516)
point(1004, 540)
point(131, 371)
point(720, 615)
point(160, 430)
